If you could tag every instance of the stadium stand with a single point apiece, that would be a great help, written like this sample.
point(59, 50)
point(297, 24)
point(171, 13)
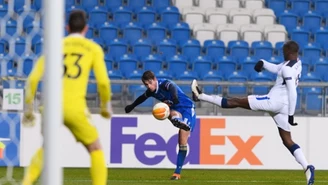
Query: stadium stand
point(210, 40)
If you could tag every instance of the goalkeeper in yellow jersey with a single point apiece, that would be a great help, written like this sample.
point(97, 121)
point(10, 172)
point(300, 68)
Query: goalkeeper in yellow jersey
point(80, 57)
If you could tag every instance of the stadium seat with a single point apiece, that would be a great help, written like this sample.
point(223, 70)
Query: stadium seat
point(146, 105)
point(122, 16)
point(278, 48)
point(97, 16)
point(160, 4)
point(321, 67)
point(253, 4)
point(183, 3)
point(217, 15)
point(261, 77)
point(240, 16)
point(203, 32)
point(153, 63)
point(132, 32)
point(142, 48)
point(251, 33)
point(247, 65)
point(127, 64)
point(180, 32)
point(99, 41)
point(37, 43)
point(117, 89)
point(136, 4)
point(89, 4)
point(262, 49)
point(108, 32)
point(167, 48)
point(300, 7)
point(69, 3)
point(312, 50)
point(134, 75)
point(312, 21)
point(214, 48)
point(191, 49)
point(169, 15)
point(37, 4)
point(320, 6)
point(321, 36)
point(113, 4)
point(313, 101)
point(18, 4)
point(28, 63)
point(264, 16)
point(109, 61)
point(90, 33)
point(163, 74)
point(177, 64)
point(92, 90)
point(239, 49)
point(301, 36)
point(3, 10)
point(3, 45)
point(289, 20)
point(156, 32)
point(215, 77)
point(230, 4)
point(226, 65)
point(237, 90)
point(276, 59)
point(117, 48)
point(201, 65)
point(309, 77)
point(146, 16)
point(278, 6)
point(207, 3)
point(275, 33)
point(193, 15)
point(187, 76)
point(11, 27)
point(20, 45)
point(227, 32)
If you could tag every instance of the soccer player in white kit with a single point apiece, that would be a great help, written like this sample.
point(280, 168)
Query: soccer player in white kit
point(280, 102)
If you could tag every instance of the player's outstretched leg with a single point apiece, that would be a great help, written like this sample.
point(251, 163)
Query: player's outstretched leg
point(98, 168)
point(198, 95)
point(35, 168)
point(296, 151)
point(183, 139)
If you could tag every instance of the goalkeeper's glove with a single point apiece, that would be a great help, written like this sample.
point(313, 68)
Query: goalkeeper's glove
point(291, 120)
point(259, 66)
point(106, 110)
point(29, 117)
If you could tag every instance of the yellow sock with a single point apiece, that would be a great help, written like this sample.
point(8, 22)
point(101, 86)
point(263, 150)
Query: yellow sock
point(35, 168)
point(98, 168)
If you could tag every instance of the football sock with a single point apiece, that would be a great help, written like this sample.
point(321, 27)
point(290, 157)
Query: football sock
point(181, 157)
point(299, 156)
point(214, 99)
point(35, 168)
point(98, 168)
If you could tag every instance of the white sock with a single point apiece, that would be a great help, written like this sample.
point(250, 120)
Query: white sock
point(300, 158)
point(214, 99)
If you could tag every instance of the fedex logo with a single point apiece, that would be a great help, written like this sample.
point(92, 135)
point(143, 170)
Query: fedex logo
point(2, 147)
point(200, 143)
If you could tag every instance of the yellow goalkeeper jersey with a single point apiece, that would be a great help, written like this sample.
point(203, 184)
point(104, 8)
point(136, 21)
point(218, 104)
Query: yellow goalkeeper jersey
point(81, 55)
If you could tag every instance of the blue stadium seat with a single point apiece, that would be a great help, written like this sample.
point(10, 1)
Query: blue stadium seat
point(156, 32)
point(18, 4)
point(278, 48)
point(127, 64)
point(239, 49)
point(134, 75)
point(20, 45)
point(180, 32)
point(167, 48)
point(117, 48)
point(278, 6)
point(37, 4)
point(116, 75)
point(247, 65)
point(262, 49)
point(132, 32)
point(215, 77)
point(305, 68)
point(191, 49)
point(214, 48)
point(69, 3)
point(149, 103)
point(113, 4)
point(300, 7)
point(89, 4)
point(122, 15)
point(3, 45)
point(177, 64)
point(201, 65)
point(92, 90)
point(99, 41)
point(28, 20)
point(159, 4)
point(37, 42)
point(136, 4)
point(97, 16)
point(3, 10)
point(90, 33)
point(261, 77)
point(313, 101)
point(309, 77)
point(301, 36)
point(325, 48)
point(146, 16)
point(109, 61)
point(28, 63)
point(11, 27)
point(187, 76)
point(320, 6)
point(289, 20)
point(226, 65)
point(276, 59)
point(142, 48)
point(312, 21)
point(163, 74)
point(321, 36)
point(153, 63)
point(321, 67)
point(237, 90)
point(170, 15)
point(108, 32)
point(13, 84)
point(312, 50)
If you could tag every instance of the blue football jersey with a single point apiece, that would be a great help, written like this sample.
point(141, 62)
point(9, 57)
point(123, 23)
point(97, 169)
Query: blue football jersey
point(163, 93)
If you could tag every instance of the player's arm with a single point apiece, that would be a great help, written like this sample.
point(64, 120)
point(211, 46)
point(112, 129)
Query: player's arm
point(168, 86)
point(103, 83)
point(138, 101)
point(273, 68)
point(287, 74)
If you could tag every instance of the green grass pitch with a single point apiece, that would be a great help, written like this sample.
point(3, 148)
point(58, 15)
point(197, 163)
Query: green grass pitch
point(80, 176)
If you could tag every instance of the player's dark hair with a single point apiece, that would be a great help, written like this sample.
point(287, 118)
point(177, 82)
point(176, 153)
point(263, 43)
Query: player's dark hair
point(77, 21)
point(148, 75)
point(291, 46)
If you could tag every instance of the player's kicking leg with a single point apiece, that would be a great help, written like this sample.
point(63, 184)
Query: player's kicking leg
point(176, 119)
point(198, 95)
point(34, 170)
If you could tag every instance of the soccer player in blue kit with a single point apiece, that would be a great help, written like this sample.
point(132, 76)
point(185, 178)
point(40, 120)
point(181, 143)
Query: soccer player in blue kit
point(182, 109)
